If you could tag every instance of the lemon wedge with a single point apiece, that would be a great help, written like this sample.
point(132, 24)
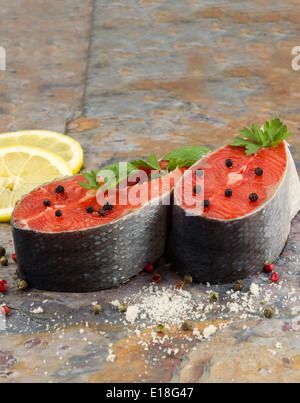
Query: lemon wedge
point(64, 146)
point(22, 169)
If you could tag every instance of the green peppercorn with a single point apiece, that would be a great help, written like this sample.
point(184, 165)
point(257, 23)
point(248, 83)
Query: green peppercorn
point(238, 285)
point(2, 251)
point(187, 325)
point(4, 261)
point(160, 328)
point(23, 285)
point(214, 296)
point(123, 307)
point(188, 279)
point(269, 313)
point(97, 309)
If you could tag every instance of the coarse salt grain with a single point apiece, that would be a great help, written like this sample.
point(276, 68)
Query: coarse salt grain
point(209, 331)
point(111, 356)
point(254, 289)
point(116, 303)
point(37, 310)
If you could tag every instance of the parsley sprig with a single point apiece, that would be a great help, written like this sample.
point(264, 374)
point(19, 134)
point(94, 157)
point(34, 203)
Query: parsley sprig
point(270, 136)
point(180, 158)
point(185, 156)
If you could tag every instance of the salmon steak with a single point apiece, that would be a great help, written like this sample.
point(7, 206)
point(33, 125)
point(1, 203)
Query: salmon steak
point(69, 240)
point(237, 218)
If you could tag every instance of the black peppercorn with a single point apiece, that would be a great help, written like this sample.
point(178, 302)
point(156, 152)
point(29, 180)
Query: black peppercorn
point(253, 197)
point(47, 203)
point(229, 163)
point(58, 213)
point(199, 173)
point(102, 213)
point(259, 171)
point(228, 193)
point(206, 203)
point(60, 189)
point(197, 189)
point(90, 210)
point(108, 206)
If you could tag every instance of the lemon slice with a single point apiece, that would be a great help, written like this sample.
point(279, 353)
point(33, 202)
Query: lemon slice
point(22, 169)
point(64, 146)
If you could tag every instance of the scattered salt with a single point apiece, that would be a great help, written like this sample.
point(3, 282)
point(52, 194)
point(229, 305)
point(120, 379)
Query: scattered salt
point(132, 313)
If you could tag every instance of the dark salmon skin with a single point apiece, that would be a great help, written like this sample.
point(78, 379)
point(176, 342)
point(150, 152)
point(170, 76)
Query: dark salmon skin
point(234, 237)
point(82, 252)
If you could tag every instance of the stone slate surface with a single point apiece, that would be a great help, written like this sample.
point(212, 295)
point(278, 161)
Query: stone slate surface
point(127, 78)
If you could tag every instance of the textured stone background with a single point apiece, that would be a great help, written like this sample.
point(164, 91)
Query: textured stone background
point(125, 78)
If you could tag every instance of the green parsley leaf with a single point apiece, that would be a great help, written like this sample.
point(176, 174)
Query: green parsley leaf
point(173, 164)
point(156, 175)
point(113, 174)
point(151, 163)
point(86, 185)
point(255, 139)
point(91, 178)
point(187, 156)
